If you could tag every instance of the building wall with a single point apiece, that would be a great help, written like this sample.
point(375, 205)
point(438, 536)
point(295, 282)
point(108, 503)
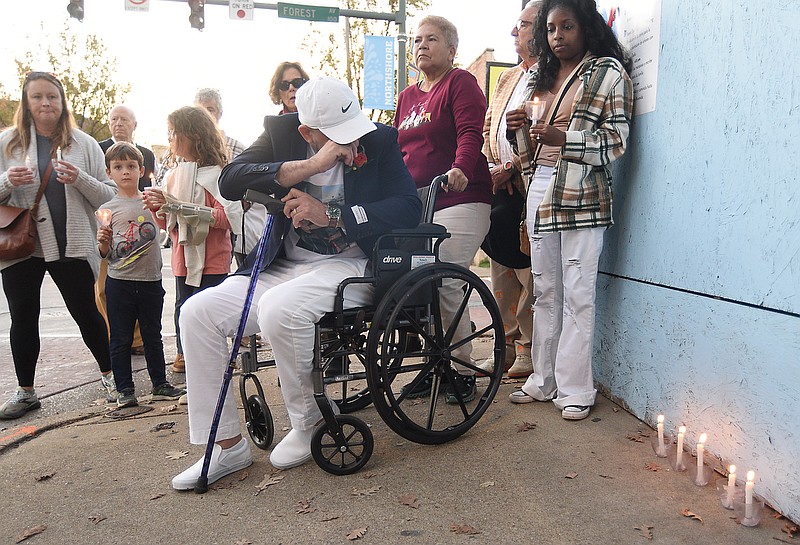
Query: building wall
point(699, 295)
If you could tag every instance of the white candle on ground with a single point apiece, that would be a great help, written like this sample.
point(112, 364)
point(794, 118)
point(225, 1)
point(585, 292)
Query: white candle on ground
point(748, 495)
point(660, 426)
point(731, 484)
point(679, 458)
point(700, 450)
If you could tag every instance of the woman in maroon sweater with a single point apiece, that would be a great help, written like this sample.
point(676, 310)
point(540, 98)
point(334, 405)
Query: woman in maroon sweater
point(440, 123)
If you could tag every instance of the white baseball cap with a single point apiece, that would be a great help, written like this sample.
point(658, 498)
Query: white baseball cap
point(329, 105)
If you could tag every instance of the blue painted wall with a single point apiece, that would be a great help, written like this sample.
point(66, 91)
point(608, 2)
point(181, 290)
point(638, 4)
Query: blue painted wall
point(699, 295)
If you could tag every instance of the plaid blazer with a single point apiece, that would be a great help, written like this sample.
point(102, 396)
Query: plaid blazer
point(579, 194)
point(506, 84)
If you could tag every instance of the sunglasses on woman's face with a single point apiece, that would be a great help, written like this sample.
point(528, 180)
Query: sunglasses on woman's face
point(296, 83)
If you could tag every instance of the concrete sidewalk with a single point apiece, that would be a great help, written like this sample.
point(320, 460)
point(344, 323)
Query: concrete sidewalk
point(521, 475)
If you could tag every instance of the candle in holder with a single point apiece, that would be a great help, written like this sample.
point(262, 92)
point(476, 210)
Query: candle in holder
point(58, 154)
point(700, 450)
point(731, 485)
point(679, 457)
point(103, 216)
point(748, 495)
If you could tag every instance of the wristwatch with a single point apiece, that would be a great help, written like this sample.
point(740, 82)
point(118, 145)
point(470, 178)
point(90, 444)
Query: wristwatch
point(334, 214)
point(508, 165)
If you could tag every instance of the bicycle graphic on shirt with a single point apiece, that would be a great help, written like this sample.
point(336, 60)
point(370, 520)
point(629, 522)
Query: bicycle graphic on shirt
point(135, 236)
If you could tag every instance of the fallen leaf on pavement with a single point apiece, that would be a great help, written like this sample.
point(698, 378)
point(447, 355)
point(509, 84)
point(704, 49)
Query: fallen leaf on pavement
point(304, 507)
point(243, 542)
point(30, 532)
point(689, 514)
point(571, 475)
point(487, 484)
point(652, 466)
point(525, 426)
point(177, 454)
point(222, 485)
point(615, 409)
point(645, 531)
point(169, 408)
point(97, 519)
point(159, 495)
point(409, 500)
point(366, 492)
point(245, 474)
point(605, 476)
point(161, 426)
point(464, 529)
point(357, 534)
point(268, 480)
point(328, 519)
point(45, 476)
point(635, 438)
point(790, 529)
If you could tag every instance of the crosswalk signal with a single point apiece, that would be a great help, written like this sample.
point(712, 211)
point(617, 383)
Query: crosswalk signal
point(197, 18)
point(75, 9)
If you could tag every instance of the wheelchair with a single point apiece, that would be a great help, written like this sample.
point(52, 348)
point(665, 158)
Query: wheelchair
point(381, 354)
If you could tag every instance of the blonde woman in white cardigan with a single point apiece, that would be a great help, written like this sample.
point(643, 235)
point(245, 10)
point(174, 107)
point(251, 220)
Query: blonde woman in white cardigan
point(44, 133)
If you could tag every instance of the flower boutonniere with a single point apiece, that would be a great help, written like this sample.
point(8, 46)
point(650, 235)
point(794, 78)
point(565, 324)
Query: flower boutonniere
point(359, 160)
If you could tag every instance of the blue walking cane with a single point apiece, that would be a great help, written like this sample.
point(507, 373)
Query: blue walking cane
point(274, 206)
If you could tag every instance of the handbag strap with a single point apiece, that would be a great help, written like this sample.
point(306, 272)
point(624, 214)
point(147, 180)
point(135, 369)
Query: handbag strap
point(47, 173)
point(554, 106)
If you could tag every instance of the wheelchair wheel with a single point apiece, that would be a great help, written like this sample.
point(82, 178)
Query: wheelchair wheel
point(353, 450)
point(398, 378)
point(259, 421)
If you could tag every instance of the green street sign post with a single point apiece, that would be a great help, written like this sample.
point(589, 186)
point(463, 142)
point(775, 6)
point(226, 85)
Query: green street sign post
point(308, 13)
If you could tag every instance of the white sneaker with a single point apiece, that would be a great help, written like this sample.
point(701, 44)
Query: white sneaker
point(522, 367)
point(575, 412)
point(223, 462)
point(111, 387)
point(293, 450)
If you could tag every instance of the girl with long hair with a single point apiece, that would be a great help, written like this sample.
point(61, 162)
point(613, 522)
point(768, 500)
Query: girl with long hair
point(201, 250)
point(583, 81)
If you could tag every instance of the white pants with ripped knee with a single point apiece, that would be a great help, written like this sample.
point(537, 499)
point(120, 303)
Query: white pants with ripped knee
point(564, 266)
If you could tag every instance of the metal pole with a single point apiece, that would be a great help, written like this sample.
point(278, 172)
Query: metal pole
point(402, 68)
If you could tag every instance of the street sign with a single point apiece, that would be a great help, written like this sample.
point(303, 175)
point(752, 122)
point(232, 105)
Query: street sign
point(241, 10)
point(308, 13)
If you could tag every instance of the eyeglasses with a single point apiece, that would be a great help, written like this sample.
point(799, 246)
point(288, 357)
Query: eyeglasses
point(296, 83)
point(523, 24)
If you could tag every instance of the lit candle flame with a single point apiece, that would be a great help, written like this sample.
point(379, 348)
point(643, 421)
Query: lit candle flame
point(703, 438)
point(751, 475)
point(682, 429)
point(660, 419)
point(104, 216)
point(732, 469)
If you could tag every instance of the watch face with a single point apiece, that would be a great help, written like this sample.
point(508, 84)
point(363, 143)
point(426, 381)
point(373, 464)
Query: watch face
point(333, 212)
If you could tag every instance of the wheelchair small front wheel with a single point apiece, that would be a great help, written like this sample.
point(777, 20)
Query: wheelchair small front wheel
point(346, 453)
point(259, 421)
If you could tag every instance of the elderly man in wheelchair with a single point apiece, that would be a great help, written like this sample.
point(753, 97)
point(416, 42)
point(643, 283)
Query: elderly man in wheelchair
point(343, 186)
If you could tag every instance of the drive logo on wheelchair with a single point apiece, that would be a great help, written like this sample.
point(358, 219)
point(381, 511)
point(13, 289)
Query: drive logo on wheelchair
point(393, 259)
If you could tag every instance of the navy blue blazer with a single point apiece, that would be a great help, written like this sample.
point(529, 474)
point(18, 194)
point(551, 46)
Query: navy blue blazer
point(382, 187)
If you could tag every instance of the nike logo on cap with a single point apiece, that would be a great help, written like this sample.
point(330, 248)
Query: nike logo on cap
point(344, 110)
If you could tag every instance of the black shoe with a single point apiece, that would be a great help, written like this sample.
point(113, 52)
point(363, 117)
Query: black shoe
point(463, 387)
point(422, 389)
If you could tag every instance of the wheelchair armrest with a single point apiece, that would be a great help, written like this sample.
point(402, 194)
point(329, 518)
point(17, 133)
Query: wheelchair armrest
point(273, 205)
point(338, 303)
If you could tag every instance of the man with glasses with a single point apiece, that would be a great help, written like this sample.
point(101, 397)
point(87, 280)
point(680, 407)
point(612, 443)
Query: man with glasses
point(512, 282)
point(211, 101)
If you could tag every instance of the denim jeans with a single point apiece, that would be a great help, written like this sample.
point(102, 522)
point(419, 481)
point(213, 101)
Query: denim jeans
point(127, 301)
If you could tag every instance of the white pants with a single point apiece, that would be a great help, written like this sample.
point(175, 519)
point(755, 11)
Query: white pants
point(564, 267)
point(468, 225)
point(289, 299)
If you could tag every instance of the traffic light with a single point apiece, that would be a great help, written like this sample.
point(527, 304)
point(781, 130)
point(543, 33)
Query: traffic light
point(197, 18)
point(75, 9)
